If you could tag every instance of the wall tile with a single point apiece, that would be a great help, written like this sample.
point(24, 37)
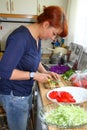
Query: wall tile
point(8, 27)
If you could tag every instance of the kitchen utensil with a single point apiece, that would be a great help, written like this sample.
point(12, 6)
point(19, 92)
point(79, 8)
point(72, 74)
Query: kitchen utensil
point(58, 58)
point(58, 49)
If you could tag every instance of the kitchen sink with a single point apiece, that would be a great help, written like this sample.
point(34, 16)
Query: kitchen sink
point(47, 66)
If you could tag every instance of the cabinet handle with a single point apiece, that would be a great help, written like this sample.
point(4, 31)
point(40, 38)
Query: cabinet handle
point(12, 6)
point(39, 8)
point(7, 6)
point(44, 6)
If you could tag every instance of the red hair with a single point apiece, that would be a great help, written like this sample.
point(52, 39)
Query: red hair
point(56, 17)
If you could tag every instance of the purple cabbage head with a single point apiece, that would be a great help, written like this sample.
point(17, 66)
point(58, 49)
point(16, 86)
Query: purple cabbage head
point(59, 69)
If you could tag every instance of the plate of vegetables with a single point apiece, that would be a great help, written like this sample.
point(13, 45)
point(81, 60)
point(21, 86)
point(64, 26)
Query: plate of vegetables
point(68, 94)
point(63, 115)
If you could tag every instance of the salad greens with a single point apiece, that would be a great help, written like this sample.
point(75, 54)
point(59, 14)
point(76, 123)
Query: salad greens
point(66, 116)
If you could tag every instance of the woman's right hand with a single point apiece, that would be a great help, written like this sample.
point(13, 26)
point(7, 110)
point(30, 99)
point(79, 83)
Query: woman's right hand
point(41, 77)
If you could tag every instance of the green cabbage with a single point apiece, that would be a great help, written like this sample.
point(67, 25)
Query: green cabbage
point(66, 116)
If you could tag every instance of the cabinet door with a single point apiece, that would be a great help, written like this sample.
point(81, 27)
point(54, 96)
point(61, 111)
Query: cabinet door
point(43, 3)
point(24, 7)
point(4, 6)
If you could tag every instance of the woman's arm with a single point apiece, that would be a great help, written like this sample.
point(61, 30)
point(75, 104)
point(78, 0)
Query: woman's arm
point(25, 75)
point(20, 75)
point(42, 76)
point(43, 70)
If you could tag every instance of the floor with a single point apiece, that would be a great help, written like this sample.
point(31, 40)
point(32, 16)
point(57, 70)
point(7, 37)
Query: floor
point(3, 123)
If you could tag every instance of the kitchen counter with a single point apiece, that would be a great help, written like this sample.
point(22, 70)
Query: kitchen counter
point(43, 91)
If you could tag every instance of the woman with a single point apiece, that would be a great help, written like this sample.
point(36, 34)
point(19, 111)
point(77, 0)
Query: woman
point(20, 64)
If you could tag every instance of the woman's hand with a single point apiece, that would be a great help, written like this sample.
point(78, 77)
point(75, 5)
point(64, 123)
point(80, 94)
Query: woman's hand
point(54, 75)
point(42, 77)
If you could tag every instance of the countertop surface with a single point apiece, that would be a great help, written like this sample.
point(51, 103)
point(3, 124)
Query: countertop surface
point(45, 101)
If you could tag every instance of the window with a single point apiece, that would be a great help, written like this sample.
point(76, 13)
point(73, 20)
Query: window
point(77, 17)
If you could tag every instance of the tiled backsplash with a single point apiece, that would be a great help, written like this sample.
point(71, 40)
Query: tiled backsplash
point(8, 27)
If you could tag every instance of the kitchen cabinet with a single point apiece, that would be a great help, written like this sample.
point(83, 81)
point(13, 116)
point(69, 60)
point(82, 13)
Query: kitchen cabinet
point(44, 3)
point(18, 7)
point(28, 7)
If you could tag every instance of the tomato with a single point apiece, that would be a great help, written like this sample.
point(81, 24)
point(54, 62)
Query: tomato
point(72, 100)
point(76, 83)
point(61, 99)
point(73, 78)
point(66, 94)
point(84, 83)
point(53, 94)
point(62, 96)
point(66, 97)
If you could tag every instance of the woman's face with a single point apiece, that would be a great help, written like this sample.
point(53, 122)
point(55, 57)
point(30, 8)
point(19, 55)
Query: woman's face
point(49, 32)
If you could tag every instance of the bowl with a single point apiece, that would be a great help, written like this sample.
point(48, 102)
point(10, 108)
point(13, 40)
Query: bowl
point(64, 115)
point(79, 94)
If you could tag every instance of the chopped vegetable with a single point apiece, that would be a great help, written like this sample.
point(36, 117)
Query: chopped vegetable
point(52, 83)
point(67, 74)
point(66, 116)
point(62, 96)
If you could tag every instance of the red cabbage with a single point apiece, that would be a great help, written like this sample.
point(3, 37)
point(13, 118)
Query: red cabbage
point(59, 69)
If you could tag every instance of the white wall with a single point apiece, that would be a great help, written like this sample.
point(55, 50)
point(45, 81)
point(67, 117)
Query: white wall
point(71, 17)
point(77, 21)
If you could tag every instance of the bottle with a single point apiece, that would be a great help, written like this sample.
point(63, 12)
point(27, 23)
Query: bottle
point(68, 55)
point(75, 65)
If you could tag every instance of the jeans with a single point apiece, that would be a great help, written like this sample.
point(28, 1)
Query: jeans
point(17, 110)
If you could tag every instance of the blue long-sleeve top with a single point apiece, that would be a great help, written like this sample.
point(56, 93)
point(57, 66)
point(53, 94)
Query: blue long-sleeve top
point(21, 53)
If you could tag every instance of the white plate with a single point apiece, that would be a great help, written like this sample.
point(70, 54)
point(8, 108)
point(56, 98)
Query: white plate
point(79, 94)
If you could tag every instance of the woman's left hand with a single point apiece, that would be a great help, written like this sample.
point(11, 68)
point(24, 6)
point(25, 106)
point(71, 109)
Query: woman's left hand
point(54, 75)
